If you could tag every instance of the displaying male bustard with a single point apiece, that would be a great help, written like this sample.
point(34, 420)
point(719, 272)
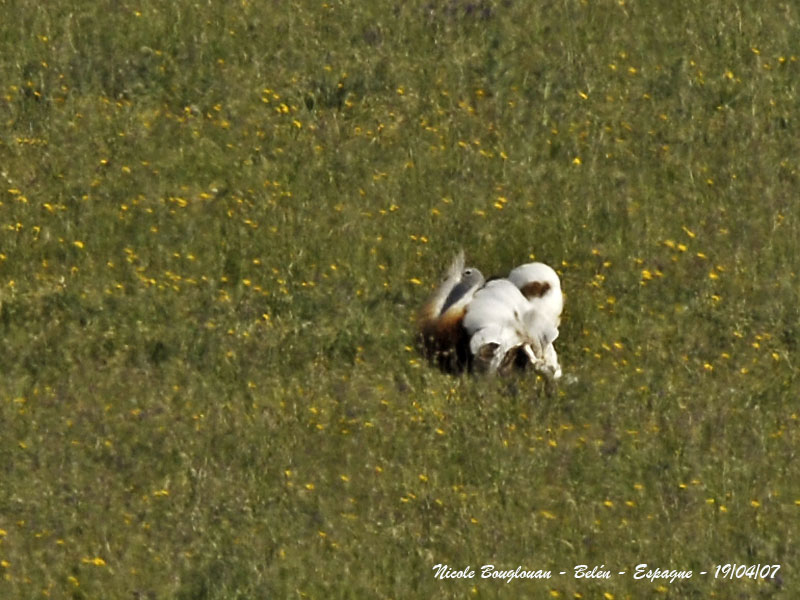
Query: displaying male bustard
point(494, 326)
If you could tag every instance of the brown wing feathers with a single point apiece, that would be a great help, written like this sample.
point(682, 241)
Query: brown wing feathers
point(439, 321)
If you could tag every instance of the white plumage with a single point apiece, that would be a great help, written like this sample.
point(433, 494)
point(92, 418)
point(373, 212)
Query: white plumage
point(541, 286)
point(498, 325)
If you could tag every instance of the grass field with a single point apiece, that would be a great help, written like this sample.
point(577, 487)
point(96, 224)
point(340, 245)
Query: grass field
point(218, 218)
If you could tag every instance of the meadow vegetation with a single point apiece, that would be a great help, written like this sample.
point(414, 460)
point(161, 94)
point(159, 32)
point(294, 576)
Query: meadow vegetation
point(218, 218)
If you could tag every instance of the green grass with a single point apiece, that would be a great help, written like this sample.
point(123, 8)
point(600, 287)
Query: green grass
point(218, 219)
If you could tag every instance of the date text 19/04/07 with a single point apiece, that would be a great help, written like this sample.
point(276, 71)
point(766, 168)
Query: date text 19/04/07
point(641, 572)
